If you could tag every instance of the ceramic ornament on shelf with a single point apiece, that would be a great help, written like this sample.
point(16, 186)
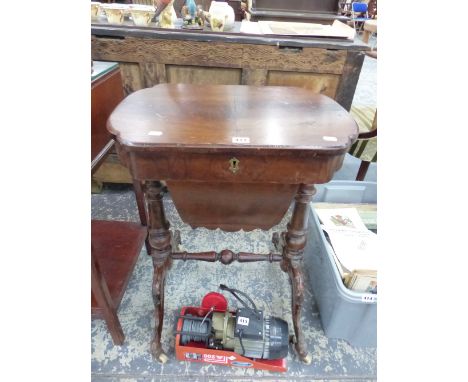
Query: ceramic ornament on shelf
point(165, 10)
point(95, 9)
point(115, 13)
point(142, 14)
point(221, 16)
point(191, 7)
point(192, 15)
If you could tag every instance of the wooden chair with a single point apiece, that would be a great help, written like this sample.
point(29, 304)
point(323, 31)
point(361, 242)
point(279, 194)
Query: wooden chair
point(365, 148)
point(115, 245)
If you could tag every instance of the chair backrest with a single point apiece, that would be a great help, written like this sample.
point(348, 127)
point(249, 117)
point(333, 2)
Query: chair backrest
point(359, 7)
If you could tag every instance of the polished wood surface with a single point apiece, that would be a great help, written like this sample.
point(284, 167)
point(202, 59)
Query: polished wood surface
point(226, 257)
point(116, 246)
point(227, 204)
point(295, 136)
point(103, 300)
point(294, 243)
point(160, 241)
point(185, 116)
point(189, 137)
point(106, 93)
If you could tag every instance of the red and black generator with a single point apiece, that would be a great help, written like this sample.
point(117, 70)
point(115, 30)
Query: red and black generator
point(244, 337)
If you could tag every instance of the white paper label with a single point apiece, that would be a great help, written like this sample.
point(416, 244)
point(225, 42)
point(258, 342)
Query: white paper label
point(243, 321)
point(240, 140)
point(369, 298)
point(156, 133)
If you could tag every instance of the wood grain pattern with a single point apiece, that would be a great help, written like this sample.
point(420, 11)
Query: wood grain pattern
point(103, 300)
point(153, 73)
point(295, 241)
point(217, 54)
point(265, 166)
point(131, 77)
point(116, 246)
point(287, 127)
point(149, 56)
point(326, 84)
point(159, 238)
point(296, 59)
point(177, 74)
point(255, 77)
point(106, 93)
point(112, 171)
point(102, 155)
point(349, 79)
point(272, 117)
point(225, 205)
point(168, 51)
point(226, 256)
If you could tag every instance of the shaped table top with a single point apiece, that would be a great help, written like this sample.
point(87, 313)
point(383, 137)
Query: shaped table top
point(232, 116)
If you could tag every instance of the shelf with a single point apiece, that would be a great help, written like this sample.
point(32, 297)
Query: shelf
point(116, 246)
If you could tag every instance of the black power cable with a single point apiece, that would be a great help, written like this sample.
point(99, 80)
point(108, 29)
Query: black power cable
point(240, 340)
point(234, 293)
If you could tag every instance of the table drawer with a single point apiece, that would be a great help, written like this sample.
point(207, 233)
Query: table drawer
point(235, 166)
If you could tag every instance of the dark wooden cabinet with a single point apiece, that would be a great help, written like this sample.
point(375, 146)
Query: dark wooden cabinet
point(106, 93)
point(316, 11)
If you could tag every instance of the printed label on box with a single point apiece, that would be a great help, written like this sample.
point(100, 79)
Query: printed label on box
point(212, 358)
point(243, 321)
point(369, 298)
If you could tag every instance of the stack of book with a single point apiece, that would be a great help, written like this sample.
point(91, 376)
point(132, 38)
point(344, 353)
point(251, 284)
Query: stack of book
point(354, 247)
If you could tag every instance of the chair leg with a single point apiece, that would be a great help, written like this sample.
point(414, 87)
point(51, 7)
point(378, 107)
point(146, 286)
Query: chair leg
point(363, 170)
point(365, 36)
point(103, 298)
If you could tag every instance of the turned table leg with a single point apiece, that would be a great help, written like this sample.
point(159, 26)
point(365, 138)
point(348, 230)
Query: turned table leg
point(159, 238)
point(140, 200)
point(295, 242)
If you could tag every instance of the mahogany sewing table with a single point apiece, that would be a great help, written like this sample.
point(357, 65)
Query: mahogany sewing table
point(233, 157)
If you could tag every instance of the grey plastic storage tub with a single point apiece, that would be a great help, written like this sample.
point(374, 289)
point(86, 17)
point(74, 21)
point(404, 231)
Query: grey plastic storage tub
point(344, 313)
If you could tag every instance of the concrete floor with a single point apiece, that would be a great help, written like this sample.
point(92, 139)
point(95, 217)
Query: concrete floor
point(333, 359)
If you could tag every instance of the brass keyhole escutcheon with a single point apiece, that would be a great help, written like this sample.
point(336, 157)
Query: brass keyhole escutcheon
point(234, 165)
